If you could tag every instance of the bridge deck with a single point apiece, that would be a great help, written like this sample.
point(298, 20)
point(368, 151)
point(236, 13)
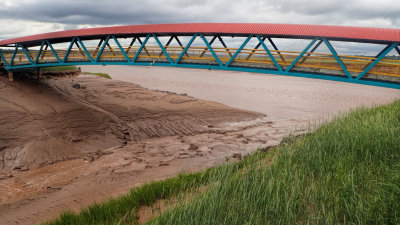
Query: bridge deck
point(254, 58)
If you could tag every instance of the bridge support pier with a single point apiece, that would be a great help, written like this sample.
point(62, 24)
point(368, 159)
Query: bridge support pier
point(10, 76)
point(39, 73)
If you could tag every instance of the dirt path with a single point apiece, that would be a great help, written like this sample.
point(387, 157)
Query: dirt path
point(64, 148)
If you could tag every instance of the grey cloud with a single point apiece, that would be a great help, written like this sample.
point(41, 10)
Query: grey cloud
point(73, 14)
point(106, 12)
point(110, 12)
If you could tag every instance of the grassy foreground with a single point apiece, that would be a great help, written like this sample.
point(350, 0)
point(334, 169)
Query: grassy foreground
point(346, 172)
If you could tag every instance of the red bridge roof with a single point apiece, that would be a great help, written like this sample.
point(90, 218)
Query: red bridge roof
point(359, 34)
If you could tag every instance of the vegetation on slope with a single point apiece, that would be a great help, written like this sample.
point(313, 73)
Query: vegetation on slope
point(59, 68)
point(124, 210)
point(98, 74)
point(71, 68)
point(347, 171)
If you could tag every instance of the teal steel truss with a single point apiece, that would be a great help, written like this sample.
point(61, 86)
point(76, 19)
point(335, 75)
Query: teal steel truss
point(164, 57)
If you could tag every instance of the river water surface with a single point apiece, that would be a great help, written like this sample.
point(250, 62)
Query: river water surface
point(279, 97)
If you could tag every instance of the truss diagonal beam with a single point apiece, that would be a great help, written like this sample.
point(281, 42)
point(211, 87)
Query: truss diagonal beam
point(14, 54)
point(120, 48)
point(269, 53)
point(26, 53)
point(144, 48)
point(102, 48)
point(276, 49)
point(255, 48)
point(130, 45)
point(239, 50)
point(384, 53)
point(301, 55)
point(377, 56)
point(80, 49)
point(44, 51)
point(398, 49)
point(223, 44)
point(168, 43)
point(98, 47)
point(84, 48)
point(53, 51)
point(140, 48)
point(334, 53)
point(4, 60)
point(312, 51)
point(39, 52)
point(163, 49)
point(212, 50)
point(205, 49)
point(186, 48)
point(111, 49)
point(180, 44)
point(68, 50)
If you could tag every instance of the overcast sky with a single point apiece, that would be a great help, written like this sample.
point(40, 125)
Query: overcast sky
point(25, 17)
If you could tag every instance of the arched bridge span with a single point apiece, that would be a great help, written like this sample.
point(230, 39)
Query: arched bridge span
point(255, 49)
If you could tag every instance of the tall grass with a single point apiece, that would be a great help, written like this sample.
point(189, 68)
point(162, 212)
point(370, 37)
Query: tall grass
point(124, 210)
point(346, 172)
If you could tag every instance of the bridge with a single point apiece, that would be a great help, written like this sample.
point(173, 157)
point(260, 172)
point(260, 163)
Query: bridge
point(152, 45)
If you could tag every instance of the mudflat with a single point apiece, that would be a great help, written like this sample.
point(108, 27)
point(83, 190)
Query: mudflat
point(69, 142)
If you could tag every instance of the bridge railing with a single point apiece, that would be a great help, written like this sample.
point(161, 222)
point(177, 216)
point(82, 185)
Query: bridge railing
point(203, 55)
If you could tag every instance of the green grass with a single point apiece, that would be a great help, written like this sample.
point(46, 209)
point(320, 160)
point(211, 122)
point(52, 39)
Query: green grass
point(123, 210)
point(346, 172)
point(59, 68)
point(71, 68)
point(98, 74)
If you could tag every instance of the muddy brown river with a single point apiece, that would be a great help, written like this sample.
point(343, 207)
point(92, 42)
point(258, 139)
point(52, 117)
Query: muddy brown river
point(280, 97)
